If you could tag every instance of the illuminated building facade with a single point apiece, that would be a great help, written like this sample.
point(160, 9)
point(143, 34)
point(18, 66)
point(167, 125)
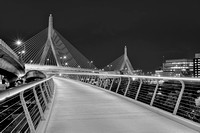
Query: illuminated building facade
point(179, 67)
point(196, 65)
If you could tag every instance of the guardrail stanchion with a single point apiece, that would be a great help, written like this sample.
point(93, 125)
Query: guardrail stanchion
point(105, 84)
point(47, 92)
point(179, 97)
point(48, 88)
point(111, 84)
point(138, 89)
point(43, 95)
point(120, 80)
point(27, 114)
point(88, 79)
point(129, 80)
point(154, 93)
point(38, 104)
point(101, 81)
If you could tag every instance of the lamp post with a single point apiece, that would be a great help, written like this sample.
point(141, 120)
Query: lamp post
point(20, 43)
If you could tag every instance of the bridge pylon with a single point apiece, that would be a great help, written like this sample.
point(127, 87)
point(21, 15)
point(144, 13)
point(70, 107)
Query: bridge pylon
point(126, 63)
point(49, 44)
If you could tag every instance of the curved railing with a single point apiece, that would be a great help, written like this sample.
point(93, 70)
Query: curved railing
point(23, 108)
point(176, 98)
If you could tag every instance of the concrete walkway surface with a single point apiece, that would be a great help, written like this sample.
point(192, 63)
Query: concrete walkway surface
point(81, 108)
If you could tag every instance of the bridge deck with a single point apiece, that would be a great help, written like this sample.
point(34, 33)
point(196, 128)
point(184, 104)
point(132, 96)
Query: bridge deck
point(79, 108)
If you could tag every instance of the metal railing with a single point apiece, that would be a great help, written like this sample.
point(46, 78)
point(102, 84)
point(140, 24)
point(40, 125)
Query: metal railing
point(177, 96)
point(22, 108)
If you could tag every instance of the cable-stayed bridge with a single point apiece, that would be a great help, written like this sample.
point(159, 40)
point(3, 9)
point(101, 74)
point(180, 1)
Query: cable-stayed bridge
point(50, 48)
point(85, 99)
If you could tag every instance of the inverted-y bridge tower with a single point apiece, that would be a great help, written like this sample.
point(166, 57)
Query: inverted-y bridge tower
point(49, 44)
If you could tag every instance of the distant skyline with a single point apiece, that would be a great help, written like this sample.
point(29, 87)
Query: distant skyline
point(101, 29)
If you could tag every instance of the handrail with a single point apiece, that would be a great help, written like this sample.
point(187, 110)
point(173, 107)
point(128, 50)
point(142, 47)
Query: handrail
point(136, 76)
point(178, 97)
point(11, 92)
point(24, 107)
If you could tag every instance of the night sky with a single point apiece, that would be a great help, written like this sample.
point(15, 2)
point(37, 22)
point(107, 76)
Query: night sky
point(100, 29)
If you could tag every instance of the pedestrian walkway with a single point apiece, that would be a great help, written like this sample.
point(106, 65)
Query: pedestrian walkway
point(81, 108)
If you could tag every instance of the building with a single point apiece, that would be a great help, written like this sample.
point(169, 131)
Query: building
point(176, 68)
point(196, 65)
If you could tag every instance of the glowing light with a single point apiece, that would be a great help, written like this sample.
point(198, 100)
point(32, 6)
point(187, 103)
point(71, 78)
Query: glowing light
point(18, 42)
point(23, 52)
point(134, 78)
point(64, 57)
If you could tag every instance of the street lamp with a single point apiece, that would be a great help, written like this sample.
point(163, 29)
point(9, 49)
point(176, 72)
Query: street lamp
point(19, 43)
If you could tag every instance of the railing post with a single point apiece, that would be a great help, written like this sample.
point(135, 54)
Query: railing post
point(43, 95)
point(91, 80)
point(84, 79)
point(48, 94)
point(129, 80)
point(51, 85)
point(28, 117)
point(38, 104)
point(111, 84)
point(154, 93)
point(120, 79)
point(179, 97)
point(48, 88)
point(88, 81)
point(101, 80)
point(138, 89)
point(105, 84)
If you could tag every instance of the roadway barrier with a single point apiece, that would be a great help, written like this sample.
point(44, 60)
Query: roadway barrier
point(176, 98)
point(23, 108)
